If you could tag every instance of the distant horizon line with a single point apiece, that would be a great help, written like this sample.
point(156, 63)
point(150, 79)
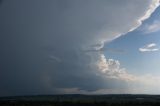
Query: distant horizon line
point(34, 95)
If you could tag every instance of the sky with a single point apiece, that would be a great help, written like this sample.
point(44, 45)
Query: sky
point(79, 47)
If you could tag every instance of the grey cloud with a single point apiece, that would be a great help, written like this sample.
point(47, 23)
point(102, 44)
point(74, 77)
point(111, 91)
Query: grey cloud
point(111, 50)
point(52, 57)
point(33, 30)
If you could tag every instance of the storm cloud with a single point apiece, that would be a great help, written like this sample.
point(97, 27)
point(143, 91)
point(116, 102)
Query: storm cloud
point(42, 43)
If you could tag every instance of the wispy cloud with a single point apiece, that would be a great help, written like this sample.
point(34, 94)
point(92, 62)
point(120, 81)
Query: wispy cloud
point(149, 48)
point(111, 50)
point(100, 48)
point(151, 28)
point(54, 58)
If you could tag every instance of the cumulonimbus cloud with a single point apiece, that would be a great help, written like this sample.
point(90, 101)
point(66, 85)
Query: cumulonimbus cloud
point(67, 28)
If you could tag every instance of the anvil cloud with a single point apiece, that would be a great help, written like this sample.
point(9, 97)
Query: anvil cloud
point(44, 42)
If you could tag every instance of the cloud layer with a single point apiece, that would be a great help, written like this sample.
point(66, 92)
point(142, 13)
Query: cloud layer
point(43, 47)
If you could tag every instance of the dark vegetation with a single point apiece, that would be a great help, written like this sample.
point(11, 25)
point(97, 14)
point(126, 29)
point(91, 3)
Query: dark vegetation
point(82, 100)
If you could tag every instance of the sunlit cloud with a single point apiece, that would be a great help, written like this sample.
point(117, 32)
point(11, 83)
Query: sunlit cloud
point(152, 47)
point(112, 69)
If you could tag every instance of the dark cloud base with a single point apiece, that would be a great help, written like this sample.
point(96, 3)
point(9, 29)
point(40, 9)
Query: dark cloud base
point(43, 42)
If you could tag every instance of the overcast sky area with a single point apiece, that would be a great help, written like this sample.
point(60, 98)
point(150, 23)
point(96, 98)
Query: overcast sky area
point(79, 47)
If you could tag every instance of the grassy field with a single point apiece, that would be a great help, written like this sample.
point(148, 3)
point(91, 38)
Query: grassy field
point(82, 100)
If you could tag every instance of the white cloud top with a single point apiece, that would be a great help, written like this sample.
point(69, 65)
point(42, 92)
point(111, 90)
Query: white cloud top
point(111, 69)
